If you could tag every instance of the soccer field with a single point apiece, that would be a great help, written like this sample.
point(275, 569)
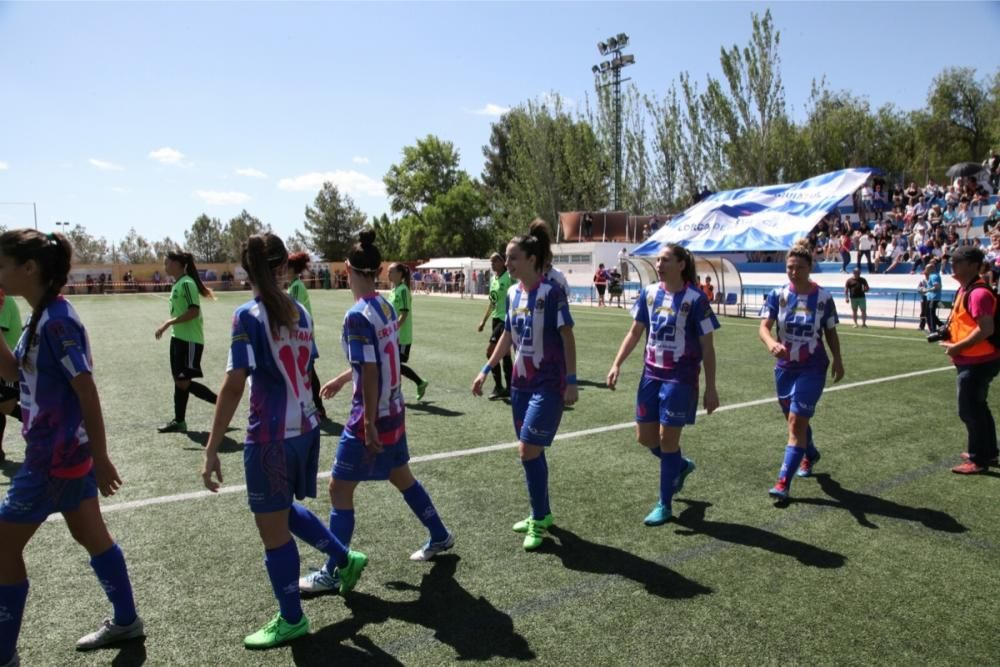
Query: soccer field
point(883, 557)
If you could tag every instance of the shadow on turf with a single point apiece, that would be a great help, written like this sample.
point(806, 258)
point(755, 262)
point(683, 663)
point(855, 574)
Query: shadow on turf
point(693, 519)
point(473, 627)
point(860, 505)
point(9, 468)
point(330, 427)
point(228, 444)
point(578, 554)
point(130, 654)
point(430, 408)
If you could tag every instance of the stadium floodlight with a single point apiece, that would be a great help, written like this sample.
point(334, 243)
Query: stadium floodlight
point(612, 69)
point(63, 226)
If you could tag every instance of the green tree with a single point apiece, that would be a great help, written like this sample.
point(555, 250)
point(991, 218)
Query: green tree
point(444, 212)
point(205, 240)
point(163, 247)
point(331, 223)
point(87, 249)
point(238, 230)
point(960, 111)
point(135, 249)
point(388, 236)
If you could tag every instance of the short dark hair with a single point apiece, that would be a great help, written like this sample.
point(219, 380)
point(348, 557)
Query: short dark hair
point(968, 253)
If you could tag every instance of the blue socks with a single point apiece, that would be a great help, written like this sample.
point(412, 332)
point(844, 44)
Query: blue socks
point(342, 527)
point(655, 451)
point(811, 451)
point(793, 458)
point(308, 528)
point(283, 569)
point(113, 575)
point(536, 474)
point(671, 464)
point(418, 500)
point(12, 600)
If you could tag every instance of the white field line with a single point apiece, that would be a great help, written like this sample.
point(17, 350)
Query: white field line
point(841, 333)
point(194, 495)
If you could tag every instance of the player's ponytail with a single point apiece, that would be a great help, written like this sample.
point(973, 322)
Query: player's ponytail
point(52, 253)
point(186, 260)
point(802, 250)
point(537, 243)
point(298, 262)
point(682, 254)
point(262, 257)
point(364, 257)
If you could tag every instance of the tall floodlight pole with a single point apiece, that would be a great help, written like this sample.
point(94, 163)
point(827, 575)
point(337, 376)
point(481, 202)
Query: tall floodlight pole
point(613, 69)
point(33, 205)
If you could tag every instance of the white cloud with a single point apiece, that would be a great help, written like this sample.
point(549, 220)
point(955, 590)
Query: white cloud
point(251, 172)
point(166, 155)
point(360, 159)
point(104, 165)
point(351, 182)
point(120, 190)
point(3, 165)
point(492, 110)
point(552, 99)
point(214, 198)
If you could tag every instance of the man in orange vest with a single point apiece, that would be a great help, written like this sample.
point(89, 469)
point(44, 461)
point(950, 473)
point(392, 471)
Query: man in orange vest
point(976, 359)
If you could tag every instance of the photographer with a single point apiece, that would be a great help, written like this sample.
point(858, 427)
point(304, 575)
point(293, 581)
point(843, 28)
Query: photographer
point(976, 359)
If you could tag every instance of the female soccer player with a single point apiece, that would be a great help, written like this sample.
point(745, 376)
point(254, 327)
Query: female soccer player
point(677, 320)
point(10, 327)
point(499, 286)
point(402, 302)
point(66, 456)
point(373, 444)
point(187, 340)
point(803, 311)
point(272, 344)
point(297, 263)
point(539, 325)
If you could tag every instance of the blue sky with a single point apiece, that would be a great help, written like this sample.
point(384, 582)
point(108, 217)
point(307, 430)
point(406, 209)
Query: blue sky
point(145, 115)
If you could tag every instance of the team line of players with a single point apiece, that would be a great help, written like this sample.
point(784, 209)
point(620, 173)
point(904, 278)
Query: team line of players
point(272, 346)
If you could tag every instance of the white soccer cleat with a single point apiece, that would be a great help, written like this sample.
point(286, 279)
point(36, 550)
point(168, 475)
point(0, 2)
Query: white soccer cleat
point(431, 549)
point(110, 633)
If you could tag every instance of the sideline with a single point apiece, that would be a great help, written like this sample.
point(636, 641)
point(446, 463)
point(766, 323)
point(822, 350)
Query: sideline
point(440, 456)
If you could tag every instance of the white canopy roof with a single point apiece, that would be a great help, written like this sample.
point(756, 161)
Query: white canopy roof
point(441, 263)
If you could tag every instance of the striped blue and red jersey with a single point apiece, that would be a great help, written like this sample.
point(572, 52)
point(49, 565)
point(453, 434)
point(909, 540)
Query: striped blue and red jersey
point(802, 320)
point(371, 335)
point(281, 399)
point(675, 323)
point(534, 318)
point(53, 428)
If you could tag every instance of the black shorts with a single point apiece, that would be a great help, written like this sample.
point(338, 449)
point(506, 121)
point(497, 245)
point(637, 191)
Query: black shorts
point(404, 353)
point(601, 288)
point(9, 391)
point(498, 326)
point(185, 359)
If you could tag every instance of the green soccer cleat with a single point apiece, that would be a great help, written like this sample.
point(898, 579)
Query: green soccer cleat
point(659, 515)
point(174, 426)
point(350, 573)
point(536, 531)
point(277, 632)
point(522, 525)
point(422, 389)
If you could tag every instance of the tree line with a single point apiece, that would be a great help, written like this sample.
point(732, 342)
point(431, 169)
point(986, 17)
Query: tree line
point(542, 158)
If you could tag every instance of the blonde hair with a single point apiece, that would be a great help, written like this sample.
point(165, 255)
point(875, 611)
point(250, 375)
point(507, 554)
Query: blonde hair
point(802, 250)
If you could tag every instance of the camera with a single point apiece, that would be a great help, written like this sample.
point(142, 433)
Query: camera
point(941, 334)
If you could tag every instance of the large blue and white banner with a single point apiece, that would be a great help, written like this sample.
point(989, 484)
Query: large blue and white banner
point(756, 219)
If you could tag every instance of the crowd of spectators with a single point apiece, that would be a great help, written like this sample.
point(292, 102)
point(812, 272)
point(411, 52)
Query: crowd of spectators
point(910, 224)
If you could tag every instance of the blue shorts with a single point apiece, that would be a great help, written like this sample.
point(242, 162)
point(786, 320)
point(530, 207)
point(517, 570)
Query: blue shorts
point(670, 403)
point(536, 416)
point(354, 463)
point(34, 495)
point(799, 391)
point(280, 471)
